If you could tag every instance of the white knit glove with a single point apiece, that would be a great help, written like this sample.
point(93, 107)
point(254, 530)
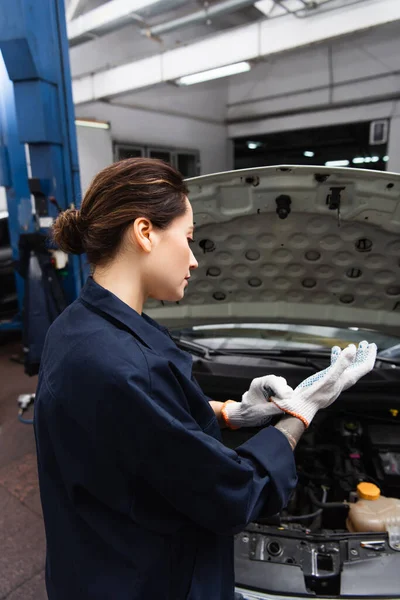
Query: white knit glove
point(362, 364)
point(323, 388)
point(271, 395)
point(254, 409)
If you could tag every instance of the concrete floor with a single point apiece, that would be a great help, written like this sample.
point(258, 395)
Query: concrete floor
point(22, 539)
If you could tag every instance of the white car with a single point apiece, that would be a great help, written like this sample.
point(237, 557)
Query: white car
point(293, 260)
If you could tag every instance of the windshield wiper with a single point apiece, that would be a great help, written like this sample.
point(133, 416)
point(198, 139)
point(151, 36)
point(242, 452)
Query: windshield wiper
point(292, 352)
point(287, 355)
point(197, 349)
point(274, 355)
point(327, 354)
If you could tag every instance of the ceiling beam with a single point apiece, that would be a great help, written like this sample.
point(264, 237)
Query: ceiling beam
point(244, 43)
point(103, 19)
point(200, 16)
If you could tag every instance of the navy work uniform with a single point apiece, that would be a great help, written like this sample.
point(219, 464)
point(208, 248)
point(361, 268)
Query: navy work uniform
point(140, 497)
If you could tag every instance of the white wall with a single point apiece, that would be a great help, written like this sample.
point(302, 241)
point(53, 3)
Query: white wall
point(350, 79)
point(137, 125)
point(365, 67)
point(95, 152)
point(206, 101)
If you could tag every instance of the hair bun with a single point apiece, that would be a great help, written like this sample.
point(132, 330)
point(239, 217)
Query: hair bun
point(68, 231)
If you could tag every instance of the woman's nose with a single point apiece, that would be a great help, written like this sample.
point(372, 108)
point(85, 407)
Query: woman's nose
point(193, 262)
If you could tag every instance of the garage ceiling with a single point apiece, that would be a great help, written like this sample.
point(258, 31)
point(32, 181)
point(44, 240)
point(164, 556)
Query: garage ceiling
point(163, 40)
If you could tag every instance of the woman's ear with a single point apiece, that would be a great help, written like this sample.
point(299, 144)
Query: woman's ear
point(141, 234)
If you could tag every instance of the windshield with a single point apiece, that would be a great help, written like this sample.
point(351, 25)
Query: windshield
point(266, 336)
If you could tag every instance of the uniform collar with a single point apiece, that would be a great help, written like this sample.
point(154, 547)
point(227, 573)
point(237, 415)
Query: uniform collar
point(109, 306)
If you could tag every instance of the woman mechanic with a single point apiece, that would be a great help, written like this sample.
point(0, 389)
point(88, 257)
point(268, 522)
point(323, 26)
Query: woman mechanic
point(140, 497)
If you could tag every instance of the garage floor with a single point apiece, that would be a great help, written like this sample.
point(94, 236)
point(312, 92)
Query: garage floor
point(22, 540)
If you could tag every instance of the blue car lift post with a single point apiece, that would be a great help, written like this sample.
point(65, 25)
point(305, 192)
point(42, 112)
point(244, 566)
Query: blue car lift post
point(14, 177)
point(37, 112)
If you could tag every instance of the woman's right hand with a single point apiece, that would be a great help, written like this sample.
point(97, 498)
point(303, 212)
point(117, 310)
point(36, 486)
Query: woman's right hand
point(255, 409)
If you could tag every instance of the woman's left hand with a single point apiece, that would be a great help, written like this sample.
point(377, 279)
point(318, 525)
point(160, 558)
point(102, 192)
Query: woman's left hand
point(363, 363)
point(323, 388)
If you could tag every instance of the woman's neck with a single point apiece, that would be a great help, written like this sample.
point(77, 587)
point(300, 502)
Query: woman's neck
point(125, 285)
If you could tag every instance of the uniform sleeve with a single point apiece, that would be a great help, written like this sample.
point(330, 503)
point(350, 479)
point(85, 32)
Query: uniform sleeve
point(218, 488)
point(196, 383)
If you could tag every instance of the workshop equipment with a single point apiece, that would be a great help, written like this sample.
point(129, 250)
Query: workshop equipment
point(38, 161)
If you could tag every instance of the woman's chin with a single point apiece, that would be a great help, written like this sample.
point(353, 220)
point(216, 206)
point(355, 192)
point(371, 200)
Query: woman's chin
point(171, 297)
point(179, 296)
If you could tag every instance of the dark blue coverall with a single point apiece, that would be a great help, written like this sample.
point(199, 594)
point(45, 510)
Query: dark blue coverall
point(140, 497)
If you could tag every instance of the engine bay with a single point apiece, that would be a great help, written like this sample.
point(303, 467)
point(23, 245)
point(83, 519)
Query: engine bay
point(334, 455)
point(308, 548)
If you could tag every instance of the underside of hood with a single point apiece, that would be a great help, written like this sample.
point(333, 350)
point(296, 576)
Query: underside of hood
point(293, 244)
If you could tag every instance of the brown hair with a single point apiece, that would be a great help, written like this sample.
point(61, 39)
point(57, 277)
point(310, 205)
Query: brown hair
point(119, 194)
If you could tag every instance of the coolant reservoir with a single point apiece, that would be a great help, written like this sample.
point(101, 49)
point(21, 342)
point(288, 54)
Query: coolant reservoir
point(372, 512)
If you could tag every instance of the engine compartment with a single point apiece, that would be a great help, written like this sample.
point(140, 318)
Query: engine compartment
point(308, 549)
point(334, 455)
point(357, 439)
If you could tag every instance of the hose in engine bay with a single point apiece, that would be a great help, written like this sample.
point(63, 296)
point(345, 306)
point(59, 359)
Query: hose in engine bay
point(293, 519)
point(322, 503)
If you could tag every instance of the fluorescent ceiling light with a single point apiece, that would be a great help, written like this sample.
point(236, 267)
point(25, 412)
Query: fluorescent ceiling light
point(309, 153)
point(253, 145)
point(93, 124)
point(240, 67)
point(337, 163)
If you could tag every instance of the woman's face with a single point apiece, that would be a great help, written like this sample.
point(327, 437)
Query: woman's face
point(171, 259)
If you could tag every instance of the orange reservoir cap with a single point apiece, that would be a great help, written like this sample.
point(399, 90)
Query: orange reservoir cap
point(368, 491)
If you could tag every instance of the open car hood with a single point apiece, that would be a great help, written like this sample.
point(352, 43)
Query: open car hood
point(293, 244)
